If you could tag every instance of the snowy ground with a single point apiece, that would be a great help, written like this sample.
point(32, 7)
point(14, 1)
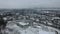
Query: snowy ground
point(12, 28)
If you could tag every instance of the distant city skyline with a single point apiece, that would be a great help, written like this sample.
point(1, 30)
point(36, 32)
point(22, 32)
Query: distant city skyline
point(29, 3)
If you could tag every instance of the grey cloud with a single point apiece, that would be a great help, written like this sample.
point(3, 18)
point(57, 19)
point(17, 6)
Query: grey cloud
point(28, 3)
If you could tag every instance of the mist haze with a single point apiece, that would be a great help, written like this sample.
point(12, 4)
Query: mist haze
point(29, 3)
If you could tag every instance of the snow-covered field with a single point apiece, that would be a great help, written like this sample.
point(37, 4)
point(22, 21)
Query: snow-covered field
point(12, 28)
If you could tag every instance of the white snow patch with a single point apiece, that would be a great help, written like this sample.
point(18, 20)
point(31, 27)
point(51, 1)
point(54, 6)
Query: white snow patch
point(22, 23)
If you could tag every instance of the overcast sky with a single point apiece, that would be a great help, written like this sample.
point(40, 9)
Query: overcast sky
point(29, 3)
